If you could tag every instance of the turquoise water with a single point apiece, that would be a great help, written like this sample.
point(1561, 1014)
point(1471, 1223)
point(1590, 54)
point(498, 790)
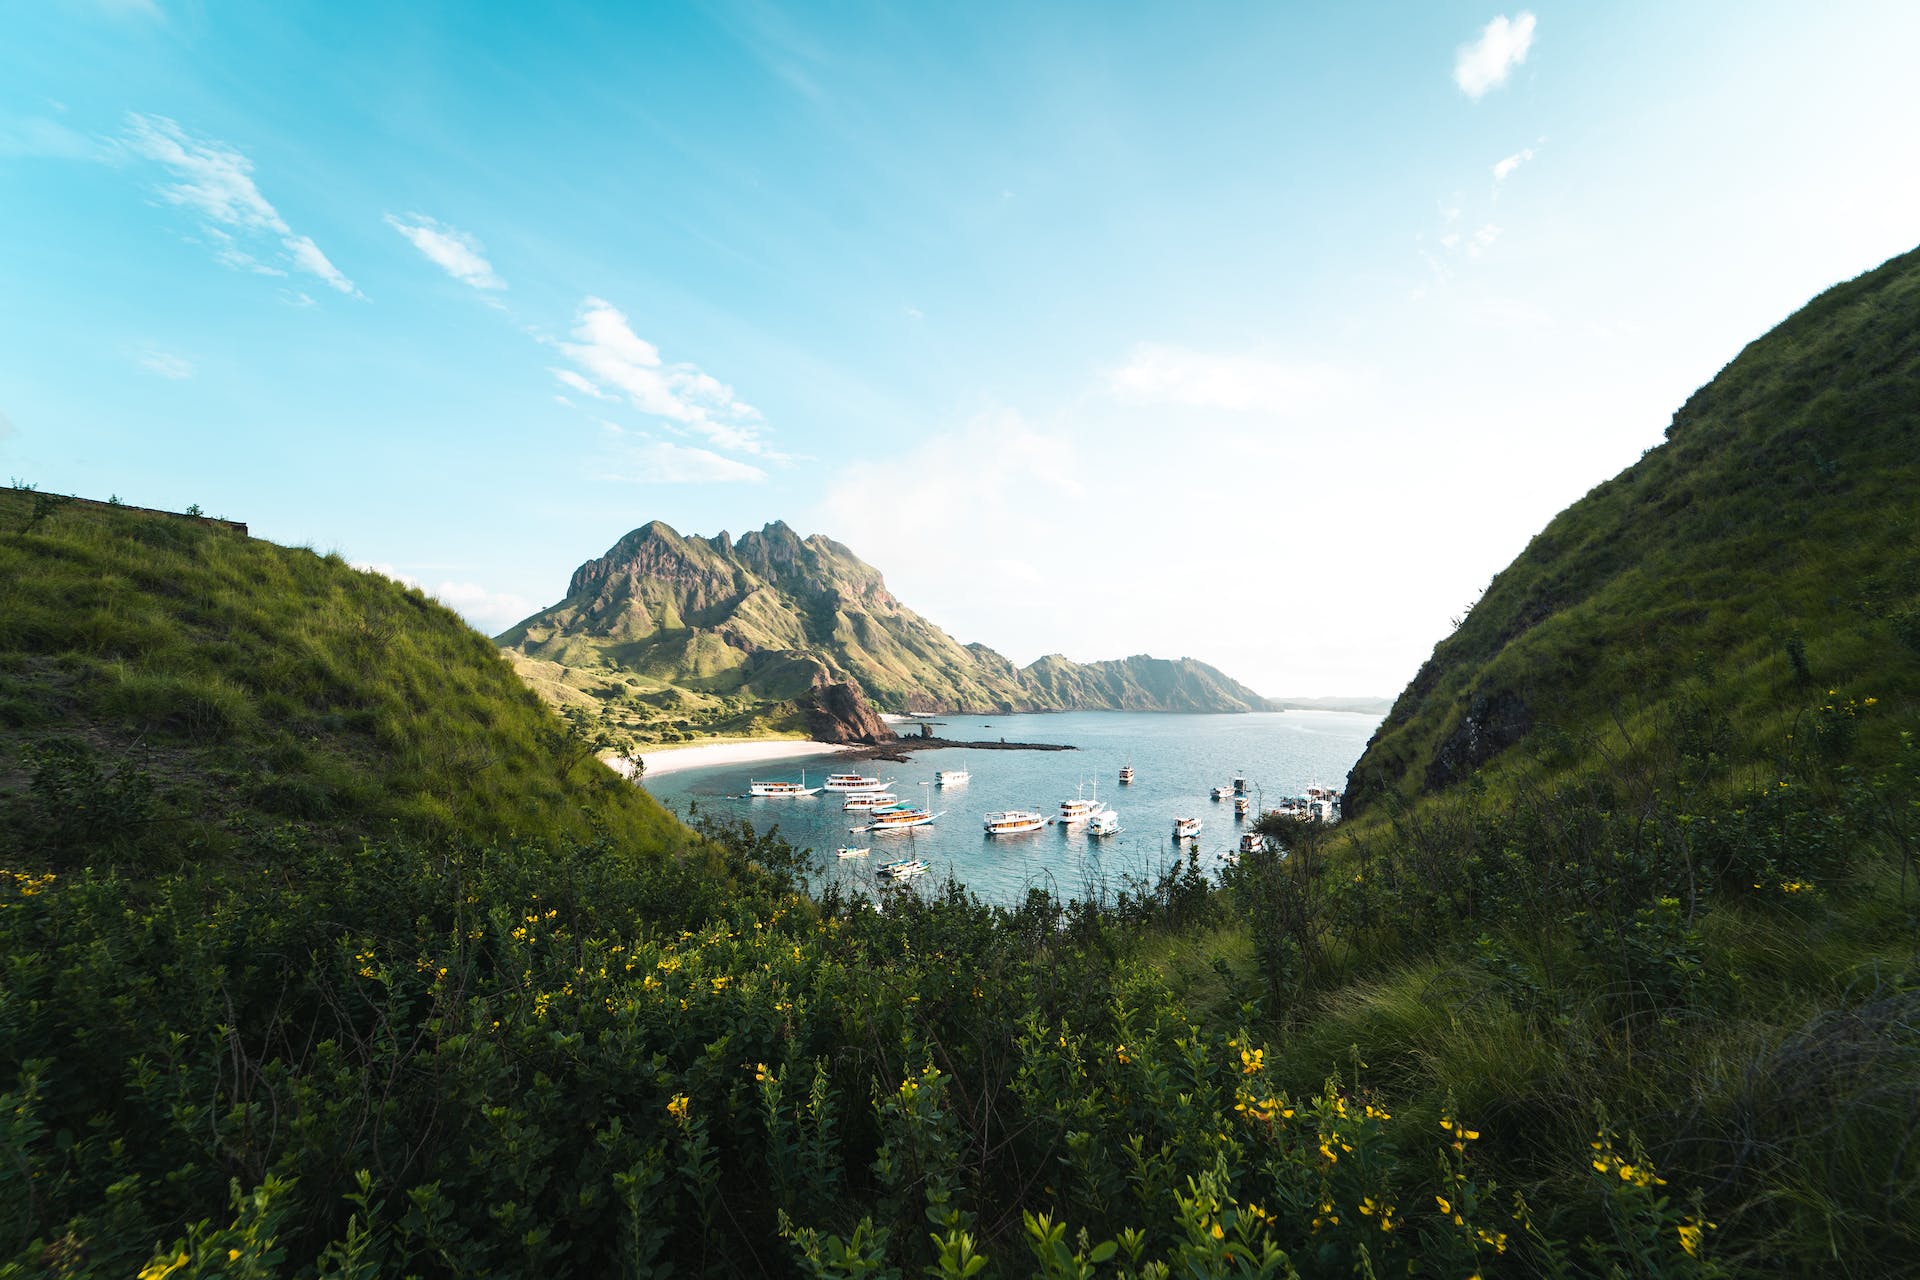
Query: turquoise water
point(1177, 760)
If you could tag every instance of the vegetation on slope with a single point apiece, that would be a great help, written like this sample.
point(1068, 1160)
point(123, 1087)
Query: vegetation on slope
point(1648, 1013)
point(172, 688)
point(668, 637)
point(1741, 590)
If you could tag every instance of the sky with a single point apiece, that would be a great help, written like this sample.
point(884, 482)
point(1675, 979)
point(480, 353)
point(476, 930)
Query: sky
point(1261, 333)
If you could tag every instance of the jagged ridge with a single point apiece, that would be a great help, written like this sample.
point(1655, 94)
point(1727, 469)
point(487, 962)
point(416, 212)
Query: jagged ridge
point(673, 633)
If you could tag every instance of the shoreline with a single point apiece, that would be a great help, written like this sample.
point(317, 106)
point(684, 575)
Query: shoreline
point(678, 757)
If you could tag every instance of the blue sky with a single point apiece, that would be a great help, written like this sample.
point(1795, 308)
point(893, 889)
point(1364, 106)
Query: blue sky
point(1262, 333)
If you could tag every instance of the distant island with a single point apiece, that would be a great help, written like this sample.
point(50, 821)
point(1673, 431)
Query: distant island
point(670, 638)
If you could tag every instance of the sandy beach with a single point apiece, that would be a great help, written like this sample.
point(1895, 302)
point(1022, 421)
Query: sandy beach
point(698, 755)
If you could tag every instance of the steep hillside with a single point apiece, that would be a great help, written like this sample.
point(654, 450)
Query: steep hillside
point(666, 635)
point(184, 686)
point(1749, 587)
point(1139, 683)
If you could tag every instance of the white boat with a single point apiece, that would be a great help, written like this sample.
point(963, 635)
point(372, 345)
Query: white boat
point(1104, 822)
point(1126, 774)
point(1222, 793)
point(868, 800)
point(855, 782)
point(778, 789)
point(1241, 805)
point(901, 869)
point(951, 777)
point(1253, 842)
point(853, 853)
point(1077, 810)
point(899, 820)
point(1014, 821)
point(1240, 785)
point(1183, 828)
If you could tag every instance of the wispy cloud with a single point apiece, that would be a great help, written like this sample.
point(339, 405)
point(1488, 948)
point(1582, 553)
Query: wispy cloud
point(1213, 380)
point(165, 364)
point(1504, 170)
point(455, 252)
point(663, 462)
point(569, 378)
point(611, 355)
point(214, 181)
point(489, 610)
point(1484, 65)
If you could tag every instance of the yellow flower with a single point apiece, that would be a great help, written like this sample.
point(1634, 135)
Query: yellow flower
point(677, 1107)
point(161, 1268)
point(1445, 1205)
point(1218, 1234)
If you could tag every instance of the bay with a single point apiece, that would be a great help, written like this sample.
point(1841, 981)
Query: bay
point(1177, 760)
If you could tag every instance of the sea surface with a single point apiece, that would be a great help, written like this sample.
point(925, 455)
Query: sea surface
point(1177, 760)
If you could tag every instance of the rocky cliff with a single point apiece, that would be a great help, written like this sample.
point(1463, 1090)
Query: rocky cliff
point(687, 635)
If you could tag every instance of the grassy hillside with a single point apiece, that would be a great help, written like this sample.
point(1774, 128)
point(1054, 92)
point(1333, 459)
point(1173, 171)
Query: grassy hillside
point(1743, 590)
point(1628, 986)
point(185, 687)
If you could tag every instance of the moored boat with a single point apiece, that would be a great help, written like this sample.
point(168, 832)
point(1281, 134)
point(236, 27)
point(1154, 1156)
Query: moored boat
point(1126, 774)
point(1014, 821)
point(853, 853)
point(1253, 842)
point(901, 868)
point(1221, 793)
point(1183, 828)
point(855, 782)
point(867, 800)
point(899, 820)
point(1104, 822)
point(951, 777)
point(1078, 810)
point(773, 790)
point(1240, 784)
point(1241, 805)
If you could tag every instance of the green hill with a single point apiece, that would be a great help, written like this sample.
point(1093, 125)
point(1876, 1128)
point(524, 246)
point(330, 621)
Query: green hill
point(1757, 574)
point(185, 687)
point(666, 636)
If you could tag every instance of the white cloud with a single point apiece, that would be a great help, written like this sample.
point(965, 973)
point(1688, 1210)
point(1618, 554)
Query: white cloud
point(578, 383)
point(215, 181)
point(1503, 170)
point(298, 299)
point(1485, 64)
point(606, 348)
point(166, 365)
point(915, 313)
point(1483, 239)
point(663, 462)
point(1210, 380)
point(455, 252)
point(488, 610)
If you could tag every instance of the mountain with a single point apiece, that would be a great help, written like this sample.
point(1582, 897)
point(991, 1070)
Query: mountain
point(667, 634)
point(1362, 705)
point(170, 680)
point(1748, 587)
